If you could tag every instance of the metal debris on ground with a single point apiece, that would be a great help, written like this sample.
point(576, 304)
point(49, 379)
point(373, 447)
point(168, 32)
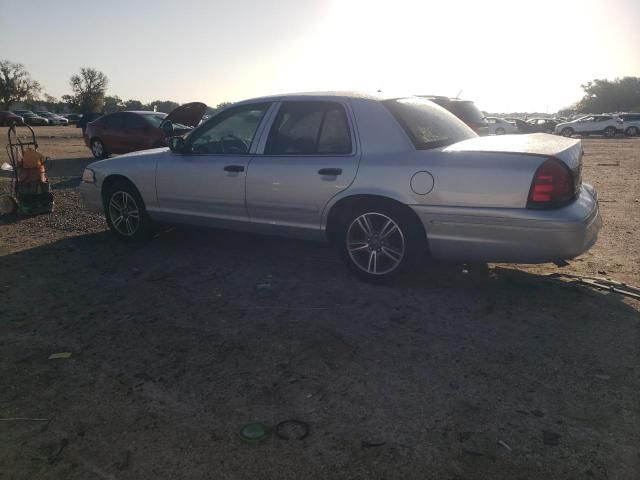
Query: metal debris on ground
point(55, 356)
point(604, 284)
point(365, 444)
point(505, 445)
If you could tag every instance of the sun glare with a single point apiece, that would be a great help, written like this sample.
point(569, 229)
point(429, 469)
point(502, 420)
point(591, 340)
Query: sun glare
point(495, 55)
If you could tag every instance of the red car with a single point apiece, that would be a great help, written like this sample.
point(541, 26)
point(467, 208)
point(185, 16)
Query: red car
point(124, 132)
point(7, 118)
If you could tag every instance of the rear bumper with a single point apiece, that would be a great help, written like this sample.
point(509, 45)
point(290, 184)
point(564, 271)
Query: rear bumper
point(513, 235)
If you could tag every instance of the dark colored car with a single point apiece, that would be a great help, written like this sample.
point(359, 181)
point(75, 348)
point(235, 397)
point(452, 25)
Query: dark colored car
point(85, 118)
point(31, 118)
point(465, 110)
point(72, 117)
point(124, 132)
point(7, 118)
point(540, 125)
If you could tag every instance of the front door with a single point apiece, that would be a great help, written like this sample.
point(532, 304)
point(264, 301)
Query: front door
point(206, 183)
point(310, 155)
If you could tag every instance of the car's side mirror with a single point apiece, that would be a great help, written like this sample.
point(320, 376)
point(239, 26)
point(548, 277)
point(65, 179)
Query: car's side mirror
point(176, 144)
point(167, 128)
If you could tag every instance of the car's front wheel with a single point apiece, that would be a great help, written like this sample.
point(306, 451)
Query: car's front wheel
point(98, 150)
point(126, 214)
point(610, 132)
point(379, 243)
point(500, 131)
point(566, 132)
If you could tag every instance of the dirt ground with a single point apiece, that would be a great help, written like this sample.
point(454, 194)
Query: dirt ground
point(464, 372)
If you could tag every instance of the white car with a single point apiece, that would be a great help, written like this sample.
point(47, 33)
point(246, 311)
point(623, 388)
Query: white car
point(54, 119)
point(607, 125)
point(499, 126)
point(631, 124)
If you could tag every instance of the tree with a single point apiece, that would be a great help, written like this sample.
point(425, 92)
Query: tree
point(618, 95)
point(133, 105)
point(220, 106)
point(113, 104)
point(89, 88)
point(16, 84)
point(49, 103)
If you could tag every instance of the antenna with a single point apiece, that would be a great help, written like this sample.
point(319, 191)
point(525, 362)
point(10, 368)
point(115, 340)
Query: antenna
point(459, 93)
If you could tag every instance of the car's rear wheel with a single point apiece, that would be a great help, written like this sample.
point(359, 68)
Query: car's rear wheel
point(98, 150)
point(126, 214)
point(566, 132)
point(610, 132)
point(632, 131)
point(500, 131)
point(548, 130)
point(380, 243)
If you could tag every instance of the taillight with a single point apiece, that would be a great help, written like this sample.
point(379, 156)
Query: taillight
point(552, 186)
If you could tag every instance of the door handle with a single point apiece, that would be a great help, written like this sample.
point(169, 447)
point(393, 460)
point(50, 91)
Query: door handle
point(234, 168)
point(330, 171)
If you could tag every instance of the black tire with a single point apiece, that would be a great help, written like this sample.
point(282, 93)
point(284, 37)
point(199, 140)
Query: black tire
point(98, 149)
point(567, 132)
point(548, 130)
point(500, 131)
point(409, 232)
point(121, 200)
point(610, 132)
point(632, 131)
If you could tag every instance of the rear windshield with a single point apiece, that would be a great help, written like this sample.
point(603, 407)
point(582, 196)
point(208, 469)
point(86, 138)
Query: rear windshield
point(427, 124)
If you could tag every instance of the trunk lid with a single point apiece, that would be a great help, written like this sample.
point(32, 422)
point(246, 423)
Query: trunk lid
point(568, 150)
point(188, 114)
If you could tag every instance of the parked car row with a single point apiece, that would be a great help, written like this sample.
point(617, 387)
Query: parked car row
point(41, 117)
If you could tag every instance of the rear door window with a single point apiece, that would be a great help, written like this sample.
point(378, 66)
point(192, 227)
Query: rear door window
point(310, 128)
point(134, 121)
point(113, 122)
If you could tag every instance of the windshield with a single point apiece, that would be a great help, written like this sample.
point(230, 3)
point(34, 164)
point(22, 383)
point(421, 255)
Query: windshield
point(154, 119)
point(427, 124)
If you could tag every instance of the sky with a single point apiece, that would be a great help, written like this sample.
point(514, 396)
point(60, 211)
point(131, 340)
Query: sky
point(506, 55)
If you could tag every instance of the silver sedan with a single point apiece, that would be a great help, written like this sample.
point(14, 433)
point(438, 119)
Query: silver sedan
point(389, 181)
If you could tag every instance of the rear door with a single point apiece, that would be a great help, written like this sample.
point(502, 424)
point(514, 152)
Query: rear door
point(111, 127)
point(309, 155)
point(136, 133)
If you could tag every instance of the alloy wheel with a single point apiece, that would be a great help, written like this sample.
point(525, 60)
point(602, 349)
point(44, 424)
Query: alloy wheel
point(97, 149)
point(124, 213)
point(375, 243)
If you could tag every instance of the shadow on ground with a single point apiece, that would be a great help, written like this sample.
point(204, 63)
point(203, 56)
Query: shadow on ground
point(178, 343)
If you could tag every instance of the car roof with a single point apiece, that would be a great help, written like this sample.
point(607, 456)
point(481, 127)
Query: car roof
point(142, 112)
point(378, 97)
